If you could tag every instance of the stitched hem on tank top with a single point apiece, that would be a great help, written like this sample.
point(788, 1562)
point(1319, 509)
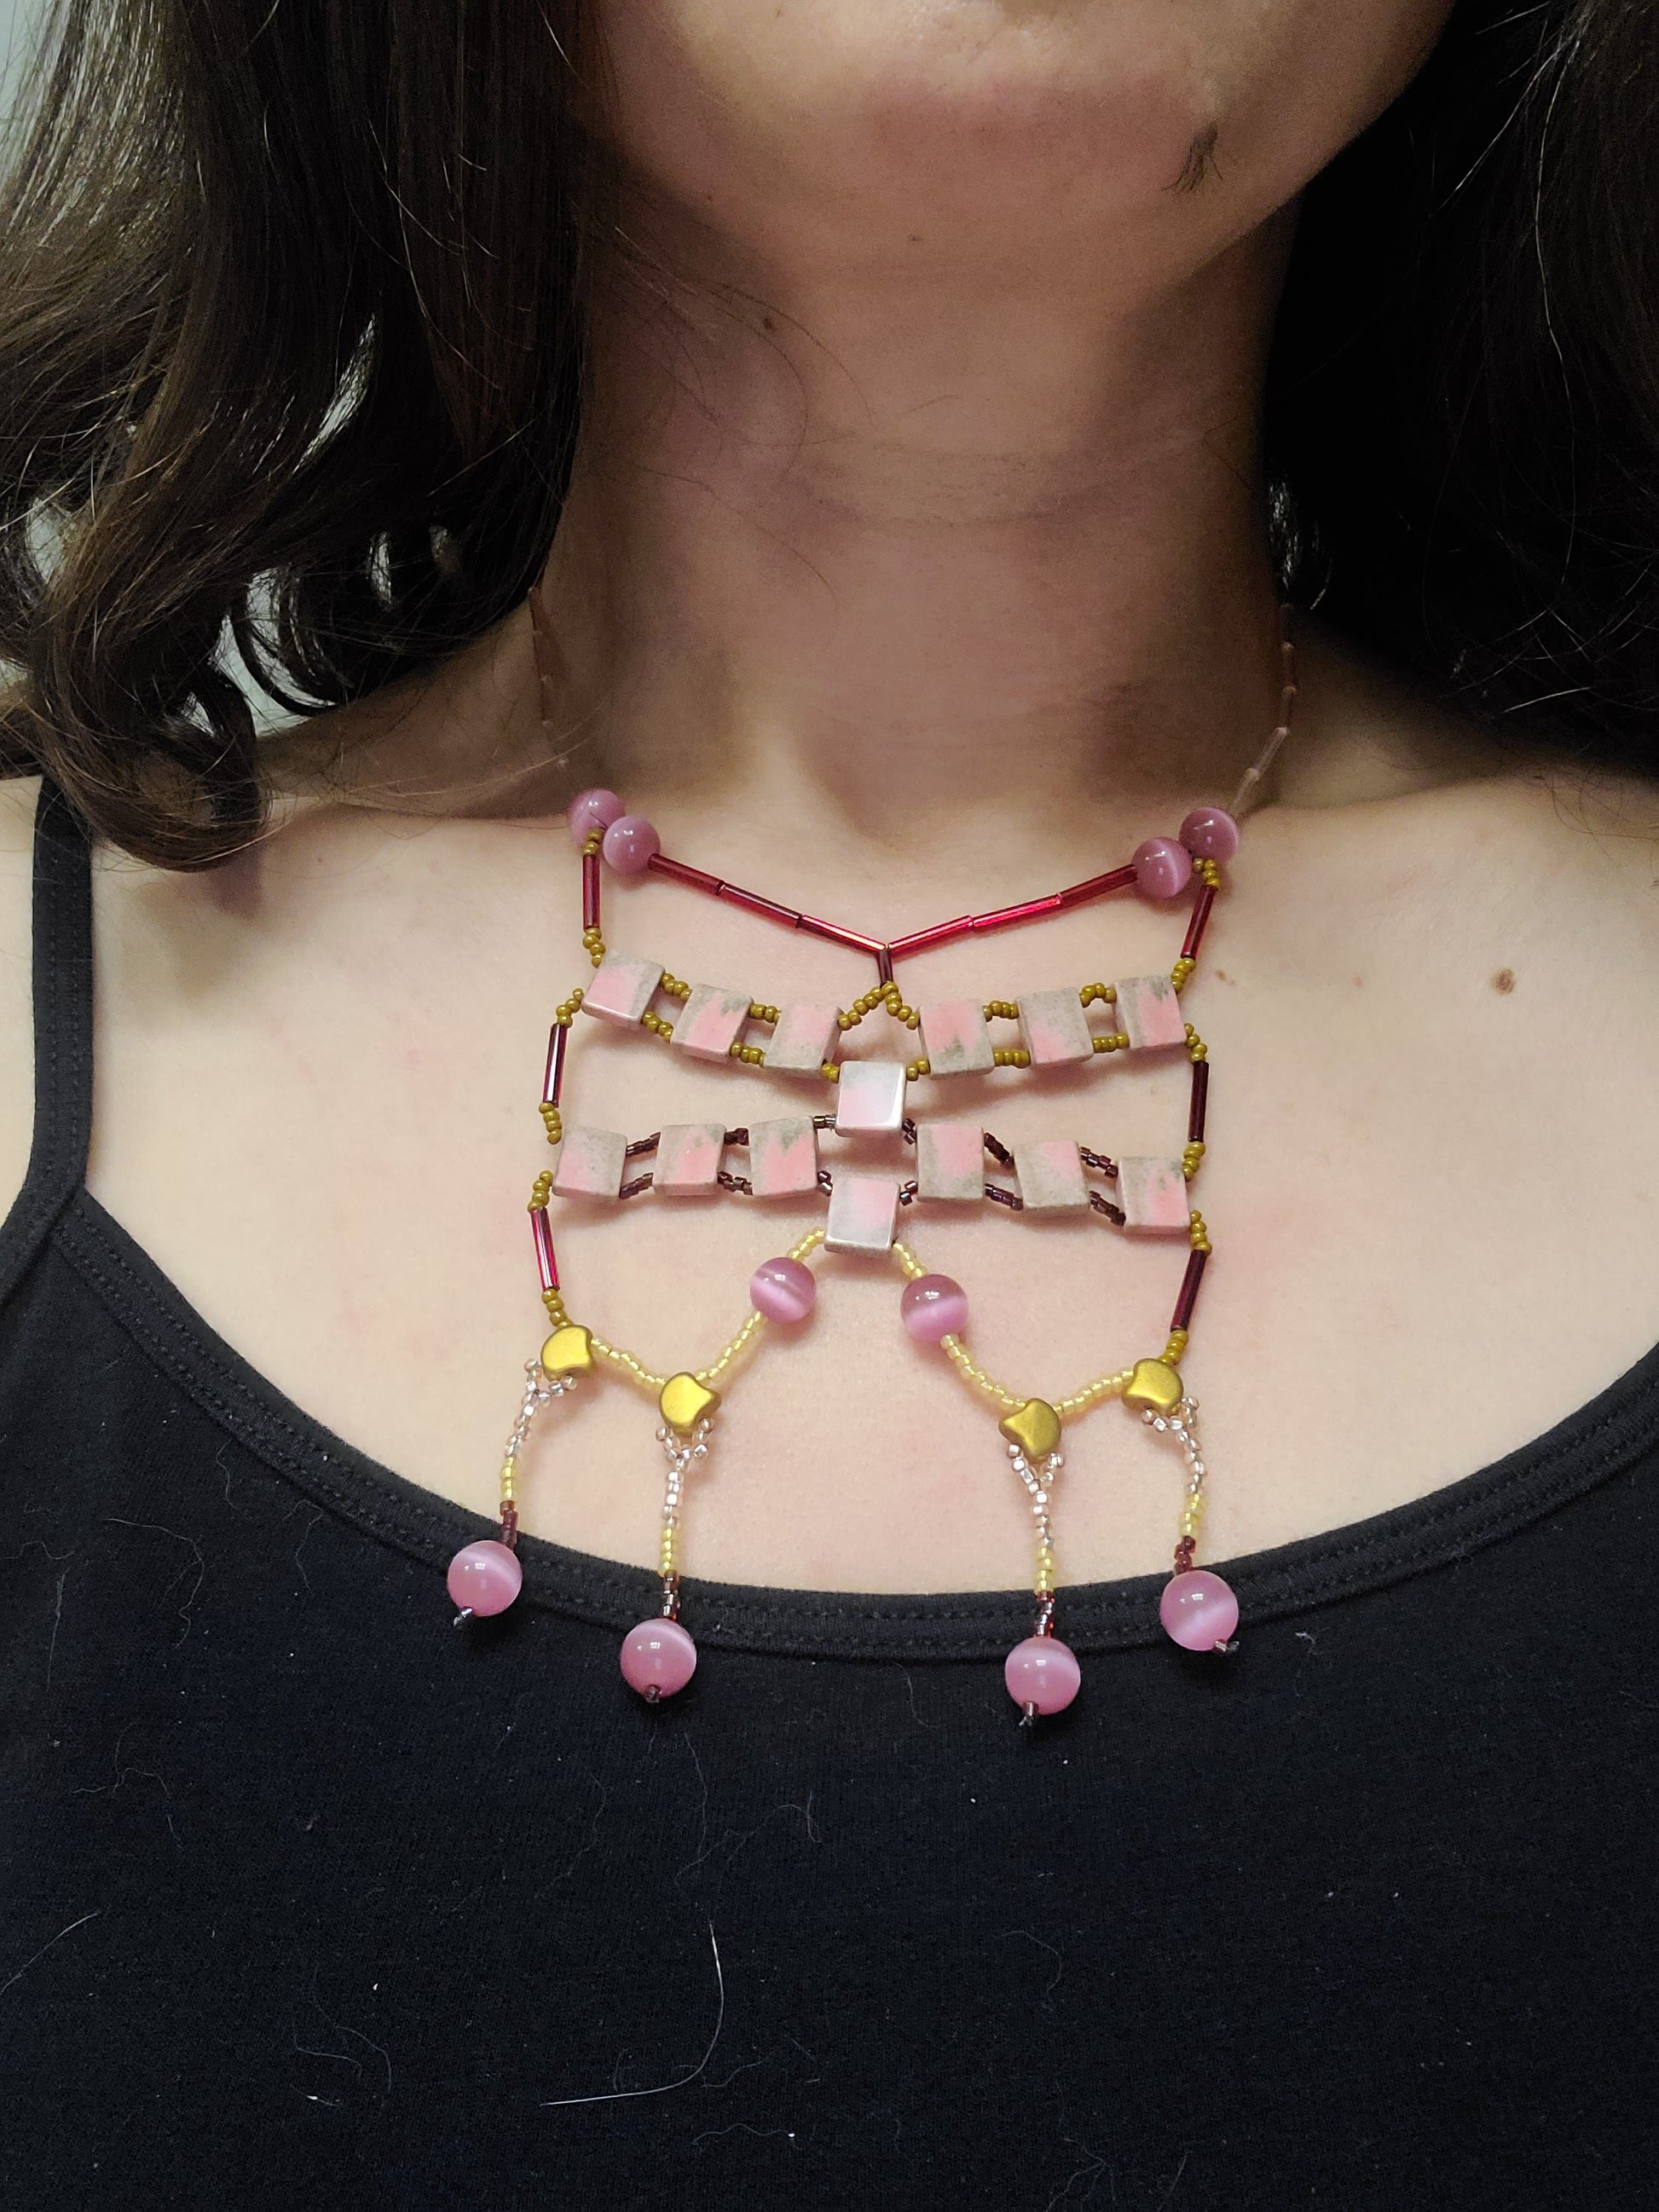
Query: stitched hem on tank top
point(1600, 1441)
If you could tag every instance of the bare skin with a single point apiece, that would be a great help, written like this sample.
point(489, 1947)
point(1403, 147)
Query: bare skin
point(901, 582)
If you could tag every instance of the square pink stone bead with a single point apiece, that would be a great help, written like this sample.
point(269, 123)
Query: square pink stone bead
point(950, 1161)
point(590, 1163)
point(803, 1040)
point(1149, 1012)
point(955, 1038)
point(1153, 1195)
point(1054, 1028)
point(783, 1156)
point(870, 1097)
point(709, 1022)
point(622, 989)
point(1050, 1177)
point(863, 1209)
point(687, 1157)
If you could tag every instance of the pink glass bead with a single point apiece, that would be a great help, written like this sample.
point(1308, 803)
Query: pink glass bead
point(1163, 868)
point(783, 1290)
point(593, 810)
point(630, 845)
point(934, 1307)
point(657, 1656)
point(1210, 833)
point(484, 1577)
point(1198, 1609)
point(1042, 1672)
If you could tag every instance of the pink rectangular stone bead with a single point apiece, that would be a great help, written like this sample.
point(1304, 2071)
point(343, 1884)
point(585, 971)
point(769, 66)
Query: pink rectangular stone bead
point(590, 1163)
point(783, 1156)
point(1149, 1012)
point(1050, 1177)
point(950, 1161)
point(863, 1209)
point(622, 989)
point(1153, 1195)
point(804, 1039)
point(687, 1157)
point(955, 1038)
point(1054, 1028)
point(708, 1023)
point(870, 1097)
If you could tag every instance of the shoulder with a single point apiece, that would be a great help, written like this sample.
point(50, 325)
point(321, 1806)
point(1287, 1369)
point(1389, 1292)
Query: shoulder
point(17, 801)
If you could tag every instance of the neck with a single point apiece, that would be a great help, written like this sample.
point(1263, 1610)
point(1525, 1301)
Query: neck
point(919, 547)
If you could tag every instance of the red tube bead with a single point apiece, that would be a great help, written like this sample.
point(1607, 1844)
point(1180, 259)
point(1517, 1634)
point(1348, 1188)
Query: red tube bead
point(1199, 1103)
point(553, 1075)
point(590, 890)
point(546, 1266)
point(752, 903)
point(884, 964)
point(1115, 880)
point(680, 871)
point(810, 925)
point(1005, 917)
point(922, 940)
point(1188, 1298)
point(1199, 923)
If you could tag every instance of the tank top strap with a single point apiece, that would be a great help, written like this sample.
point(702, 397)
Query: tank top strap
point(62, 968)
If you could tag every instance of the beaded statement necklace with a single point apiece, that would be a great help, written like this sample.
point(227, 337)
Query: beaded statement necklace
point(934, 1163)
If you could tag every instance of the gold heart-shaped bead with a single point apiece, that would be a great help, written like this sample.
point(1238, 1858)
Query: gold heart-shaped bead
point(1035, 1428)
point(685, 1401)
point(1154, 1388)
point(568, 1351)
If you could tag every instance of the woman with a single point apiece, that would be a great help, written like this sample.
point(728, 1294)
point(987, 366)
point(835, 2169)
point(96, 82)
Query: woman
point(909, 420)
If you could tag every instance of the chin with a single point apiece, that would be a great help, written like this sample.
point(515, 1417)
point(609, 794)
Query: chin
point(873, 128)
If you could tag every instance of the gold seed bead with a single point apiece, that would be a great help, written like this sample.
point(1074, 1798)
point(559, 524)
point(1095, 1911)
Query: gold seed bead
point(655, 1022)
point(1190, 1158)
point(564, 1014)
point(757, 1012)
point(1200, 1235)
point(1173, 1350)
point(1196, 1047)
point(540, 1191)
point(1090, 991)
point(1011, 1055)
point(917, 1069)
point(1001, 1010)
point(553, 1301)
point(1113, 1041)
point(593, 841)
point(750, 1054)
point(1211, 871)
point(830, 1070)
point(1180, 974)
point(674, 987)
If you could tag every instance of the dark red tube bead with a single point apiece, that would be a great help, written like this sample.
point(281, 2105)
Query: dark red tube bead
point(1201, 1100)
point(1198, 924)
point(679, 871)
point(884, 964)
point(1188, 1298)
point(546, 1266)
point(752, 903)
point(553, 1078)
point(1115, 880)
point(590, 890)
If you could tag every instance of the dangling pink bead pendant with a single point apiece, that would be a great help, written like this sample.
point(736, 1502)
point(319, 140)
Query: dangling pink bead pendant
point(484, 1579)
point(658, 1659)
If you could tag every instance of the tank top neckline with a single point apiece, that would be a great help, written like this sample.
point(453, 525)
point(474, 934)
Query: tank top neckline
point(55, 1209)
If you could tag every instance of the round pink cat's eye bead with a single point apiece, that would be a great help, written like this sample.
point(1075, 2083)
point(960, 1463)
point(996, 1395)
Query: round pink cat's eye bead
point(1042, 1672)
point(484, 1577)
point(1210, 833)
point(934, 1307)
point(630, 845)
point(1163, 868)
point(783, 1290)
point(657, 1654)
point(1198, 1609)
point(593, 810)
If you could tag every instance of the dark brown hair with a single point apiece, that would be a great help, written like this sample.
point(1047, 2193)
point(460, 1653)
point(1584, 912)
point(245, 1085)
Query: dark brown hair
point(290, 355)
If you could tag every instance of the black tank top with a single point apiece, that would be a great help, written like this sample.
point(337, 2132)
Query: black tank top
point(311, 1899)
